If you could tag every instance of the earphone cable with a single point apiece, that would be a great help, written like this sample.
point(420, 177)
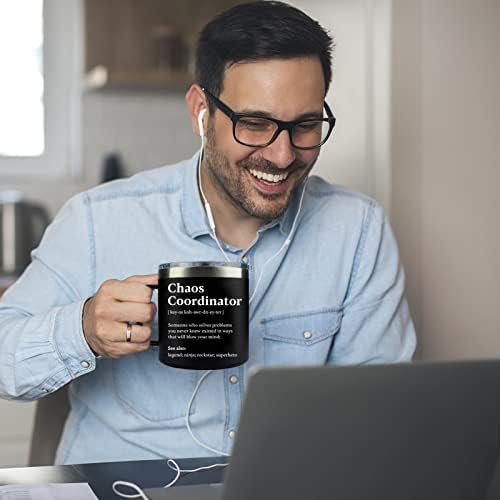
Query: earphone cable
point(287, 241)
point(208, 210)
point(140, 493)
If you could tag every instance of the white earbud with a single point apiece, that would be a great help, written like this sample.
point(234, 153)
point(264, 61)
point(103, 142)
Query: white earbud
point(200, 121)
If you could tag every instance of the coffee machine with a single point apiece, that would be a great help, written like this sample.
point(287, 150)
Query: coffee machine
point(22, 224)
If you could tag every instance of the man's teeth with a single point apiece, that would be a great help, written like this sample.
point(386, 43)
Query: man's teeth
point(269, 177)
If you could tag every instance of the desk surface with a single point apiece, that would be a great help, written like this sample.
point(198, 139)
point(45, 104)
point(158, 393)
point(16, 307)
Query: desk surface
point(100, 476)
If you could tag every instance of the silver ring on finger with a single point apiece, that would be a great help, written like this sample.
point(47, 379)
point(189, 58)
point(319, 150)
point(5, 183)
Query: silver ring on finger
point(128, 333)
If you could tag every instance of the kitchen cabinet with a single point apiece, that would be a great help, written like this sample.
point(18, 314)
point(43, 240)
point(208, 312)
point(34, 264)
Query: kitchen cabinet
point(146, 43)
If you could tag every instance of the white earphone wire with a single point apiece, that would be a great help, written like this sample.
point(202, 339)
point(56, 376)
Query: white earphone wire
point(287, 241)
point(188, 425)
point(208, 210)
point(140, 493)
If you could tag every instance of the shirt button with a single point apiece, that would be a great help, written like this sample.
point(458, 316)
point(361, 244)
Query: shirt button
point(232, 434)
point(85, 364)
point(307, 334)
point(233, 379)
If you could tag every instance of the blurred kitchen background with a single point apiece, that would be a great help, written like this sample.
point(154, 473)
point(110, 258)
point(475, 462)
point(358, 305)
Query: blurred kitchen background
point(92, 90)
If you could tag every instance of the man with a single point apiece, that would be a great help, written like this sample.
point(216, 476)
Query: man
point(334, 294)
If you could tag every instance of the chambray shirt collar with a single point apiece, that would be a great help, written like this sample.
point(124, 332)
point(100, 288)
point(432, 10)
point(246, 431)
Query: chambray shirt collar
point(193, 212)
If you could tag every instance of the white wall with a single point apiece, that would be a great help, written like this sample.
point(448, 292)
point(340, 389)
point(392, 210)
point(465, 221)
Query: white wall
point(445, 171)
point(149, 129)
point(358, 153)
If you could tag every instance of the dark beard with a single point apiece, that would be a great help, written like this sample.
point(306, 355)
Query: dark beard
point(233, 188)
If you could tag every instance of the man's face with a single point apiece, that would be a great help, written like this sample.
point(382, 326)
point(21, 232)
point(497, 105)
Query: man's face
point(284, 89)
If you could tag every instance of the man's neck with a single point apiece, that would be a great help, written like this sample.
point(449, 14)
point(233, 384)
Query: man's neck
point(233, 225)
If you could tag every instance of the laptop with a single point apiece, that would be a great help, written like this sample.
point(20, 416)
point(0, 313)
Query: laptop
point(421, 431)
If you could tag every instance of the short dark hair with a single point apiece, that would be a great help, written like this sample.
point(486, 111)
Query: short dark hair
point(259, 30)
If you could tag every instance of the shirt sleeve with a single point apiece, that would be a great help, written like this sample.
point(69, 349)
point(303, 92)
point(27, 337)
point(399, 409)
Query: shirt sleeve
point(376, 325)
point(42, 346)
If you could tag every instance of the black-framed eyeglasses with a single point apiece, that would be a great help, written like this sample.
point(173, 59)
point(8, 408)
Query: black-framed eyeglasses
point(258, 131)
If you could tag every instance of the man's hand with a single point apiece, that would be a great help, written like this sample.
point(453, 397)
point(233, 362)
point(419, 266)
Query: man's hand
point(106, 316)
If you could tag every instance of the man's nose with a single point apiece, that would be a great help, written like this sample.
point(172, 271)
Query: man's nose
point(281, 152)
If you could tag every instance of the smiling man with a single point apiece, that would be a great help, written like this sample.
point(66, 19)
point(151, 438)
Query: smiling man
point(252, 163)
point(324, 270)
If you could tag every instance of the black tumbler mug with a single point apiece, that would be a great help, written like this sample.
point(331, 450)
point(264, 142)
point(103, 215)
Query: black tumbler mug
point(203, 314)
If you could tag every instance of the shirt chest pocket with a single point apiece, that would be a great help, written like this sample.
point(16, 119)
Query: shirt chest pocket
point(304, 338)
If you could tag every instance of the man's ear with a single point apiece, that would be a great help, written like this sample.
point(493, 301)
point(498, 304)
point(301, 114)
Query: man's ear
point(195, 99)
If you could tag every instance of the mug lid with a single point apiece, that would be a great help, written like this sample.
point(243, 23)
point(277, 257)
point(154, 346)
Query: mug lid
point(203, 269)
point(169, 265)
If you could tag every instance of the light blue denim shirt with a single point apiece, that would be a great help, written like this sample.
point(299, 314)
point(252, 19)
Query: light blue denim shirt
point(340, 279)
